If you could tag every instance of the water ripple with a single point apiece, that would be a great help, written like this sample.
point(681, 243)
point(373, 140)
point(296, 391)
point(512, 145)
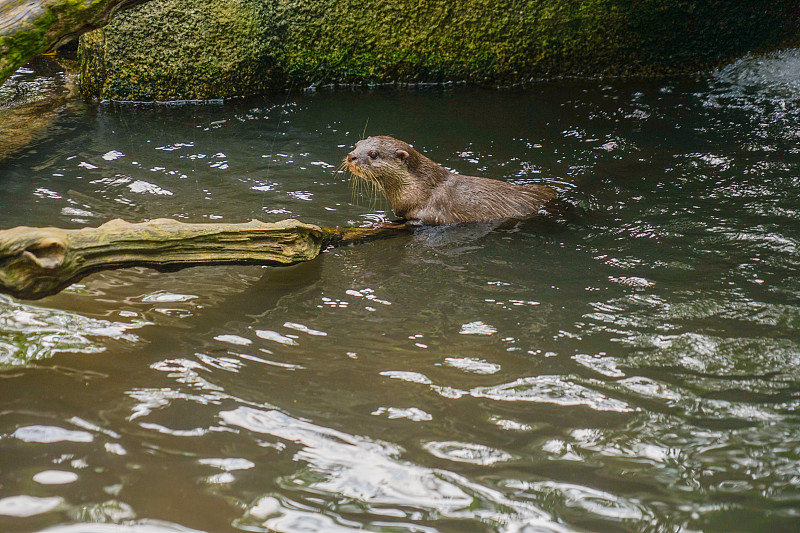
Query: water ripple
point(558, 390)
point(29, 333)
point(370, 472)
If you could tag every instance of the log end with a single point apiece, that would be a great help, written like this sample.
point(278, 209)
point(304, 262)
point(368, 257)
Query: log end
point(33, 261)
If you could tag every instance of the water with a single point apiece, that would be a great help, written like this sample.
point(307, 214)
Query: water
point(637, 371)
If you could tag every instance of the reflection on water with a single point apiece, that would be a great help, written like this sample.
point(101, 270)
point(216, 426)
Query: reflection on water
point(636, 371)
point(29, 332)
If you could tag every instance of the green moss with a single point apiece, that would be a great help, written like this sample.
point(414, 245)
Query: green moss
point(19, 47)
point(171, 49)
point(42, 29)
point(176, 50)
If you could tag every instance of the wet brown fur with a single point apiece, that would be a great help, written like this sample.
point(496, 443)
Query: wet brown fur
point(423, 192)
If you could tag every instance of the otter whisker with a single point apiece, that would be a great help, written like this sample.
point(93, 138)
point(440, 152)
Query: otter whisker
point(365, 187)
point(363, 133)
point(363, 190)
point(373, 195)
point(366, 184)
point(356, 185)
point(377, 190)
point(353, 191)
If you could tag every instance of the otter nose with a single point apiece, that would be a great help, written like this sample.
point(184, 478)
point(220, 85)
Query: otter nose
point(351, 156)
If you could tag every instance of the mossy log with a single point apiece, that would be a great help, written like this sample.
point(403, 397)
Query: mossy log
point(38, 262)
point(31, 27)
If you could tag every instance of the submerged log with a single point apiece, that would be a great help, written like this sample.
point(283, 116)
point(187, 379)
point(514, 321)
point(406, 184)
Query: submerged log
point(39, 262)
point(35, 26)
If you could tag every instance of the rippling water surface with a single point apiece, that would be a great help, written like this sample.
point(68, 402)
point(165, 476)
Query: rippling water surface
point(636, 371)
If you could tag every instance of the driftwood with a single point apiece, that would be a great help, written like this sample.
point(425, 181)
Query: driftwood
point(30, 27)
point(38, 262)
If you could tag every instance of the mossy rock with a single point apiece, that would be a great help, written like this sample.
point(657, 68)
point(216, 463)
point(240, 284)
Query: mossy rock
point(170, 49)
point(176, 50)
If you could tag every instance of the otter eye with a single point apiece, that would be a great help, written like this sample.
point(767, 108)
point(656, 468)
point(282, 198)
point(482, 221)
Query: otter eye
point(373, 154)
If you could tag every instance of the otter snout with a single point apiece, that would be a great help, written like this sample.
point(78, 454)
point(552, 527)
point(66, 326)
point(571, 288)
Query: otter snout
point(351, 157)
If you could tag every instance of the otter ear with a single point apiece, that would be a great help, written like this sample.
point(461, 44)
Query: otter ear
point(402, 154)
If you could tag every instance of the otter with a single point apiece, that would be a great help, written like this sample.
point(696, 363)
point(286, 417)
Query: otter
point(423, 192)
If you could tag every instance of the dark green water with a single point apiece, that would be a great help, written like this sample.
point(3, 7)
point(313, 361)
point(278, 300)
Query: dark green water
point(639, 371)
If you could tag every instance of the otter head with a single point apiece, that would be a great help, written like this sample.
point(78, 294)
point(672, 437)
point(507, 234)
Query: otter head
point(380, 160)
point(404, 176)
point(383, 163)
